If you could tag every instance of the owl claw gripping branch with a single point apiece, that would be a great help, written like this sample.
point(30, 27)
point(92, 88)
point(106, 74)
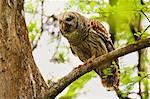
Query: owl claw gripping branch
point(87, 38)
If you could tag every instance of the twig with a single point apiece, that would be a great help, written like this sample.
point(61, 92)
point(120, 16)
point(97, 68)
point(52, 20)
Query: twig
point(146, 28)
point(42, 9)
point(147, 19)
point(57, 47)
point(145, 15)
point(34, 45)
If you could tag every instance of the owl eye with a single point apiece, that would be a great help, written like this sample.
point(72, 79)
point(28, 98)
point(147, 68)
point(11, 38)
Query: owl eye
point(69, 18)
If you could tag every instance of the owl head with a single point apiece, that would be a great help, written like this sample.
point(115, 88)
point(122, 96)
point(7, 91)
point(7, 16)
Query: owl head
point(69, 22)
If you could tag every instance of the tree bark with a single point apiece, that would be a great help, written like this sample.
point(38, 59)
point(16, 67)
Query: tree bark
point(19, 76)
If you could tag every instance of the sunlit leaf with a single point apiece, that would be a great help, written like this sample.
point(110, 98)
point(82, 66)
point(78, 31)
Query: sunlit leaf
point(77, 86)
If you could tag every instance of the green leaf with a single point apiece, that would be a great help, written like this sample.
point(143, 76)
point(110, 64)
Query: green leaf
point(138, 34)
point(107, 72)
point(126, 75)
point(77, 86)
point(92, 4)
point(32, 26)
point(31, 37)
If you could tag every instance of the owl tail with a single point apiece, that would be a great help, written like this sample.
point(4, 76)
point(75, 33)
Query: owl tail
point(109, 76)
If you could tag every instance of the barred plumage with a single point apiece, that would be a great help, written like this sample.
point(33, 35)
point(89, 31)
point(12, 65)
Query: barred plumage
point(87, 38)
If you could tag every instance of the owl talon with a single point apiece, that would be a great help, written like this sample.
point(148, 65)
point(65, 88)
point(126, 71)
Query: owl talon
point(91, 59)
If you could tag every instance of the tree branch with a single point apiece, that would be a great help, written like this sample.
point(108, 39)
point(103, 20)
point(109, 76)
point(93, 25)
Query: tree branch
point(60, 85)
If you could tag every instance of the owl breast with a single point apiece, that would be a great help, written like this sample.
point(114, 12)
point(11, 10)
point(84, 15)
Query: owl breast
point(91, 45)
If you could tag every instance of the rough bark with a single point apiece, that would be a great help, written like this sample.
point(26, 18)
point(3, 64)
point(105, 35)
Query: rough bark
point(19, 76)
point(56, 88)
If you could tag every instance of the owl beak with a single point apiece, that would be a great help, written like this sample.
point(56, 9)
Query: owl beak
point(66, 27)
point(63, 26)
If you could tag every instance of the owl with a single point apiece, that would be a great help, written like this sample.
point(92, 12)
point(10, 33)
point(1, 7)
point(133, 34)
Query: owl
point(89, 38)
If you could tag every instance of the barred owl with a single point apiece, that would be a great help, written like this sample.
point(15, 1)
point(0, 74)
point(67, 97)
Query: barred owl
point(89, 38)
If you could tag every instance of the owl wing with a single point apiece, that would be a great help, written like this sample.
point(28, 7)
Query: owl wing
point(103, 34)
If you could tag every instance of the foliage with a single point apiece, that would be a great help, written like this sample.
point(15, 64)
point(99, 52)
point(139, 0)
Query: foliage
point(76, 86)
point(62, 54)
point(33, 31)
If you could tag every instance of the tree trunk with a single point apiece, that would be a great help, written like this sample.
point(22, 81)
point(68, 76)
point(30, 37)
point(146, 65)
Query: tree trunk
point(19, 76)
